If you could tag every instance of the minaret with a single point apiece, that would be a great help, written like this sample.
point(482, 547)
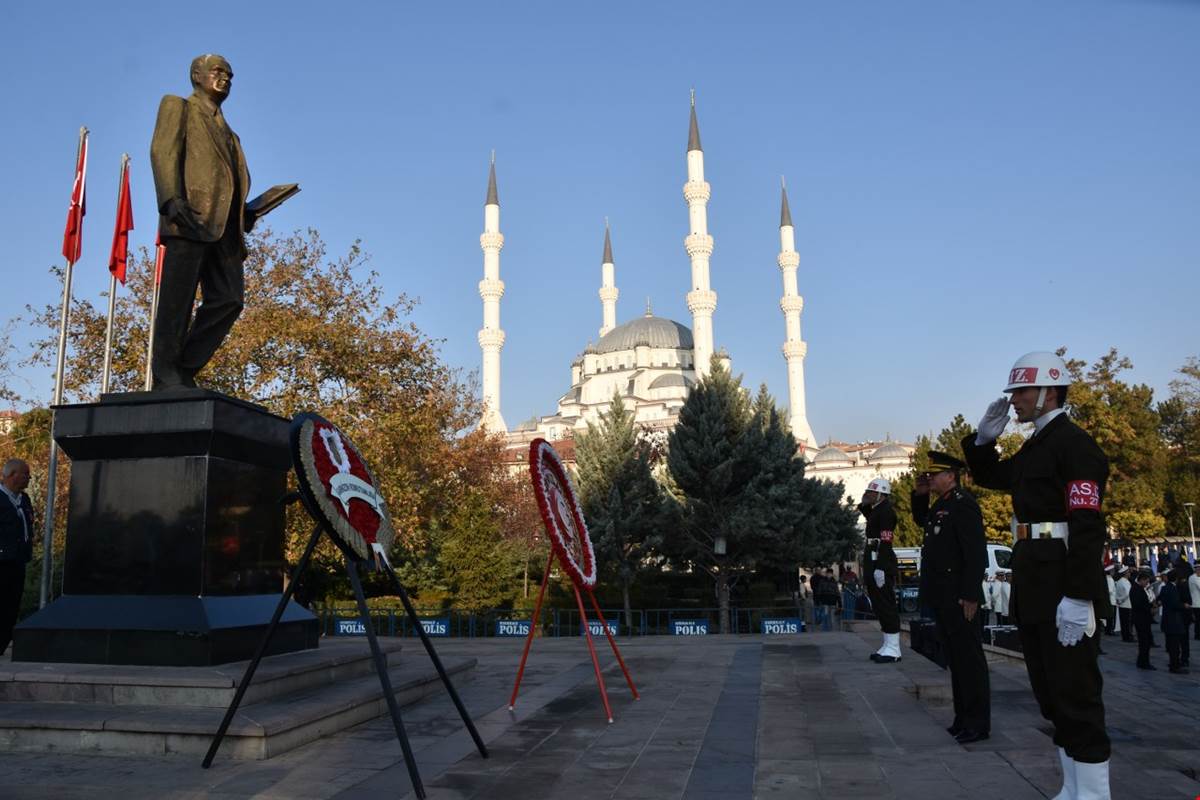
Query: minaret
point(491, 289)
point(608, 289)
point(794, 348)
point(701, 300)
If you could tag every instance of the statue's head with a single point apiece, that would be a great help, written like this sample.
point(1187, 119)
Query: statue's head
point(212, 75)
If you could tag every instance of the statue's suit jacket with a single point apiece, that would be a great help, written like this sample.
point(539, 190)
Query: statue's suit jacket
point(191, 161)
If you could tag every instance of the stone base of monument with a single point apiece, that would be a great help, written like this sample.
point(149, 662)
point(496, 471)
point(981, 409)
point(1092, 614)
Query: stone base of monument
point(294, 699)
point(175, 529)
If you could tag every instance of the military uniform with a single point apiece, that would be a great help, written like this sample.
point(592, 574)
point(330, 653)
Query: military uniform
point(881, 523)
point(1057, 480)
point(953, 562)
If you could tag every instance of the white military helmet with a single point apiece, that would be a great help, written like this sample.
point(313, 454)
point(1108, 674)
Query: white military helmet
point(880, 486)
point(1039, 369)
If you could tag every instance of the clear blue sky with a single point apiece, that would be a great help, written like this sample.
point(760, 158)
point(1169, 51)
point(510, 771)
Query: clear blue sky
point(969, 181)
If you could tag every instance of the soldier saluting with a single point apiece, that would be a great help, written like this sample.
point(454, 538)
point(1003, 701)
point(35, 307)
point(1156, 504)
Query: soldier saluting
point(1057, 481)
point(953, 562)
point(879, 566)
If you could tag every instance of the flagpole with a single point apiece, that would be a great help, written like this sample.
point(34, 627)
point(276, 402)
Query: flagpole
point(52, 476)
point(159, 254)
point(112, 290)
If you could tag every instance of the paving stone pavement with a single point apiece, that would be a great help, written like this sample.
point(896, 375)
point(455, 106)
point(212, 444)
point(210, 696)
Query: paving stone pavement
point(805, 716)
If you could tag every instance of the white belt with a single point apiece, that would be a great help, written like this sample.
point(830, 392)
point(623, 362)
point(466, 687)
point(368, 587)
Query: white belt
point(1040, 530)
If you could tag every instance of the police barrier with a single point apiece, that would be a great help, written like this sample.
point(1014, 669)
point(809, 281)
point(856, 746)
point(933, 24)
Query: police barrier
point(555, 621)
point(597, 628)
point(349, 627)
point(512, 627)
point(781, 625)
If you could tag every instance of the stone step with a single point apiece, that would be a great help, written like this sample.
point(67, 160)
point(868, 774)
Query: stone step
point(212, 687)
point(259, 731)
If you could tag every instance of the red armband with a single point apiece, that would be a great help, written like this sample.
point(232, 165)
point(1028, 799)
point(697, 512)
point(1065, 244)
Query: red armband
point(885, 536)
point(1083, 495)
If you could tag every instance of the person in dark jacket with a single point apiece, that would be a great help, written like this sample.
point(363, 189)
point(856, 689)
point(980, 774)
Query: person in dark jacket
point(880, 568)
point(953, 563)
point(1175, 621)
point(1143, 617)
point(16, 543)
point(1057, 480)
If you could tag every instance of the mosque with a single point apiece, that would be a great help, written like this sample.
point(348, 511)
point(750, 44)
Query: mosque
point(653, 362)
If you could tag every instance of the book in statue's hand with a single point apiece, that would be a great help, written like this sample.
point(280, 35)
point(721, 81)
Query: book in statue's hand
point(271, 199)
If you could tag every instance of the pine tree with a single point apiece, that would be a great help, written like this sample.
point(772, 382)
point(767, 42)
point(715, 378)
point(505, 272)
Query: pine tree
point(622, 502)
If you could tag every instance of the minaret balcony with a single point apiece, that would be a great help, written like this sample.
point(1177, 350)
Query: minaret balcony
point(702, 302)
point(790, 303)
point(698, 244)
point(609, 294)
point(491, 338)
point(697, 192)
point(491, 289)
point(793, 350)
point(491, 241)
point(789, 259)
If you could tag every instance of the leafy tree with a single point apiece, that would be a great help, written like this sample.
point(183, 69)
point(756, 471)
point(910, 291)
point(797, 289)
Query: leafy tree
point(622, 502)
point(1179, 416)
point(480, 566)
point(1123, 420)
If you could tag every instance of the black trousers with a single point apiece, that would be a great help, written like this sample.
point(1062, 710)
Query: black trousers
point(12, 586)
point(1176, 644)
point(1110, 624)
point(883, 600)
point(1126, 615)
point(1069, 689)
point(962, 643)
point(183, 345)
point(1143, 640)
point(1196, 622)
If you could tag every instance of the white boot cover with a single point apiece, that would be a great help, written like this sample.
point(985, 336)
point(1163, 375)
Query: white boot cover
point(1091, 781)
point(1068, 771)
point(891, 645)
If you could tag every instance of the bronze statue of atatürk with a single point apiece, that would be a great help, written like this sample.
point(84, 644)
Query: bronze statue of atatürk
point(201, 181)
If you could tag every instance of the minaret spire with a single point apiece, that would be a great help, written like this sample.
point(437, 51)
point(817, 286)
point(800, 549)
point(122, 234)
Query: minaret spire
point(701, 300)
point(608, 288)
point(491, 289)
point(794, 348)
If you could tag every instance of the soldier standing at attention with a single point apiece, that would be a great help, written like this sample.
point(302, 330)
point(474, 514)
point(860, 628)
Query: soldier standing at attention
point(953, 562)
point(1057, 482)
point(880, 568)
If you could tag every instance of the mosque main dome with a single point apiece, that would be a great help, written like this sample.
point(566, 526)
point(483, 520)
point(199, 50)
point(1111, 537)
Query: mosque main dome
point(656, 332)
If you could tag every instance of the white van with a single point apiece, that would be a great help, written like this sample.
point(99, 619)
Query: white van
point(999, 559)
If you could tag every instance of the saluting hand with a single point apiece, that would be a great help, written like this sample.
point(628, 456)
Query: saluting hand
point(969, 608)
point(994, 421)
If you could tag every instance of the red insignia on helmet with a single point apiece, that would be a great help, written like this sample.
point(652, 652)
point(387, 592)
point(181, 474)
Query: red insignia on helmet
point(1083, 495)
point(1054, 373)
point(885, 536)
point(1023, 375)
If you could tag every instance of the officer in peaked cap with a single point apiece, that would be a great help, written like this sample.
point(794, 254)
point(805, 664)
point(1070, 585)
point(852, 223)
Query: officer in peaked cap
point(879, 566)
point(953, 563)
point(1057, 481)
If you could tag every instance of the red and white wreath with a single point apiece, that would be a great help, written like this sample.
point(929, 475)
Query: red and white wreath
point(561, 514)
point(339, 486)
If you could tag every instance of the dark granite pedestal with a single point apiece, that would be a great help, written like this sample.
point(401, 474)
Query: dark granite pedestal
point(175, 533)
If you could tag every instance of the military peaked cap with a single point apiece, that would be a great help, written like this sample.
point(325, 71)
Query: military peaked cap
point(939, 462)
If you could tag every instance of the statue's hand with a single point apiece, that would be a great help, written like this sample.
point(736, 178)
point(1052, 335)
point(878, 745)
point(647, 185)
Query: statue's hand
point(180, 213)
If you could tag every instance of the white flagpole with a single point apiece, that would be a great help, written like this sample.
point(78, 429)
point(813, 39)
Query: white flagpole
point(112, 291)
point(52, 477)
point(159, 255)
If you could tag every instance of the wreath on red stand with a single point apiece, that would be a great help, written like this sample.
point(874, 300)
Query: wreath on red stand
point(561, 514)
point(339, 487)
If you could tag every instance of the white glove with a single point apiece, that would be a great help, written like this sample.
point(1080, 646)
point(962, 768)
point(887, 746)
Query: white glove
point(879, 576)
point(994, 421)
point(1073, 619)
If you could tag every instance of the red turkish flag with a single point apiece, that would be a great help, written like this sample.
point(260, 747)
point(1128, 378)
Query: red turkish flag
point(118, 257)
point(73, 234)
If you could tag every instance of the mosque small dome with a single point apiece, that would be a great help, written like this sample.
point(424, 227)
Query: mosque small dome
point(889, 450)
point(669, 380)
point(832, 455)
